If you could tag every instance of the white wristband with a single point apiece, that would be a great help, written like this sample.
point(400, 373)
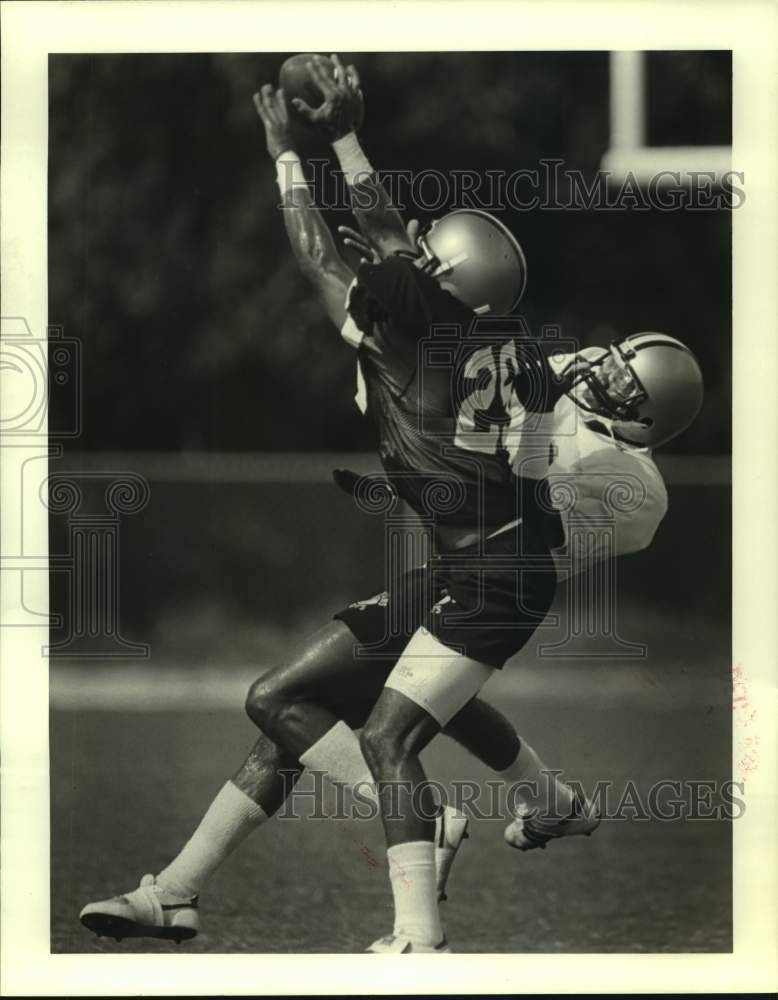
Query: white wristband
point(289, 172)
point(354, 164)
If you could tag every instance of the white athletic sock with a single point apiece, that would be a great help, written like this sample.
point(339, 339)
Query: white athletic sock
point(338, 754)
point(230, 818)
point(540, 789)
point(412, 875)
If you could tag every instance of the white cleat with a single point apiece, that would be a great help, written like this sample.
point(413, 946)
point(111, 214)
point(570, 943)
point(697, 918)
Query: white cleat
point(528, 832)
point(147, 911)
point(394, 945)
point(450, 831)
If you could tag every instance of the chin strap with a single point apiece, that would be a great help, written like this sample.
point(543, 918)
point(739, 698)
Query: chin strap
point(448, 265)
point(437, 268)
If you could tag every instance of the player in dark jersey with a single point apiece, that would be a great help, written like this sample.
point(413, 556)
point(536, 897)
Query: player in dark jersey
point(487, 583)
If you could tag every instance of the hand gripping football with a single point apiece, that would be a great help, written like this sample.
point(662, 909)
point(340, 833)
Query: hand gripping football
point(295, 81)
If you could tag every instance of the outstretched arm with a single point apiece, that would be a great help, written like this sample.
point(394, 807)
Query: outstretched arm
point(338, 118)
point(309, 236)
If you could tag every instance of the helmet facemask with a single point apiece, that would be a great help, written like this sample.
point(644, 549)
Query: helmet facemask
point(609, 387)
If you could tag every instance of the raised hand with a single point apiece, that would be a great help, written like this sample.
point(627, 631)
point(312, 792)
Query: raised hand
point(537, 386)
point(368, 251)
point(271, 108)
point(343, 108)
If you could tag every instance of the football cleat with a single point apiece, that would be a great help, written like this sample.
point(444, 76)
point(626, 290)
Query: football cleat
point(395, 945)
point(529, 832)
point(147, 911)
point(450, 831)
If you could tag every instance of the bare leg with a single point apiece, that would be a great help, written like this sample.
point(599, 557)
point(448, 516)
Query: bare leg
point(268, 775)
point(297, 703)
point(395, 734)
point(486, 733)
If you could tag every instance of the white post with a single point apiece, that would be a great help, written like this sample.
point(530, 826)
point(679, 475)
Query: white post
point(627, 100)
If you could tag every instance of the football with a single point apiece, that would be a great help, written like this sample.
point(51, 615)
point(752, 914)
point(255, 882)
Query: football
point(295, 80)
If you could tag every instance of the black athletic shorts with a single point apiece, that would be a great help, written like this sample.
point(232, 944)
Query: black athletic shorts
point(482, 601)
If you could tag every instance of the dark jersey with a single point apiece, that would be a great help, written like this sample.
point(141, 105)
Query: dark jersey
point(439, 392)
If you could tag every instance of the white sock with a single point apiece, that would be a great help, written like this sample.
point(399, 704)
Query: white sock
point(540, 789)
point(230, 818)
point(412, 875)
point(338, 754)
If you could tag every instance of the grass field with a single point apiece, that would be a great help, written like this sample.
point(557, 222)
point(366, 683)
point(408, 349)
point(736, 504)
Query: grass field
point(127, 788)
point(217, 575)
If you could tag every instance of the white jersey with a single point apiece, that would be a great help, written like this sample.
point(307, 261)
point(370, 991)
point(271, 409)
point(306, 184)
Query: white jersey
point(610, 491)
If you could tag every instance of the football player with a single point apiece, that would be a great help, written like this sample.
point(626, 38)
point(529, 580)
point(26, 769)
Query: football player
point(307, 707)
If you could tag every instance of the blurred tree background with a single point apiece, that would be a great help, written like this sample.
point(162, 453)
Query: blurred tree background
point(168, 257)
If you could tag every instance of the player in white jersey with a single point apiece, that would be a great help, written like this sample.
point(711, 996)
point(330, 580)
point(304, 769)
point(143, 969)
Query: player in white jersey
point(590, 456)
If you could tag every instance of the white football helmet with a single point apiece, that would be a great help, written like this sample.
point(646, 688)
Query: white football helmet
point(649, 384)
point(479, 257)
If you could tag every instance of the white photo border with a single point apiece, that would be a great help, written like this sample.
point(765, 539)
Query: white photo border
point(32, 30)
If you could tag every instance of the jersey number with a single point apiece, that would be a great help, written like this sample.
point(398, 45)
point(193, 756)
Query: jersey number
point(490, 417)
